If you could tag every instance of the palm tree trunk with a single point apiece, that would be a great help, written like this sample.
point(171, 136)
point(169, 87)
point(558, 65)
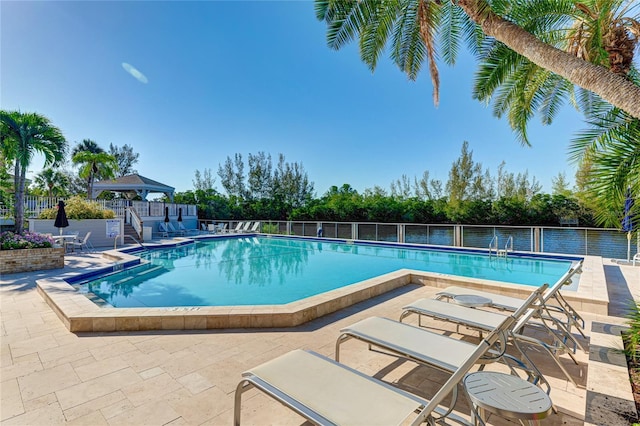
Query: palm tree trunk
point(92, 179)
point(611, 87)
point(21, 173)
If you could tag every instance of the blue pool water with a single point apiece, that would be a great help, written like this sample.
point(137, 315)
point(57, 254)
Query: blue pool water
point(265, 271)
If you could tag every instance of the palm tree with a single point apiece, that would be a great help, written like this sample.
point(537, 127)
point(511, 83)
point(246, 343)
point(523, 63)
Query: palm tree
point(24, 134)
point(611, 148)
point(414, 24)
point(597, 31)
point(53, 181)
point(93, 165)
point(87, 145)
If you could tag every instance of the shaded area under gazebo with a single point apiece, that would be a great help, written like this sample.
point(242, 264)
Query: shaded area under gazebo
point(132, 185)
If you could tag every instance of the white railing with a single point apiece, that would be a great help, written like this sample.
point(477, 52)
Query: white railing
point(135, 221)
point(35, 205)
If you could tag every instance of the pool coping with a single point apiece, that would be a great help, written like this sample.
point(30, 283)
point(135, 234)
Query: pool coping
point(79, 314)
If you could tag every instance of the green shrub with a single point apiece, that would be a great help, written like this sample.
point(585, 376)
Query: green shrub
point(270, 228)
point(79, 208)
point(632, 336)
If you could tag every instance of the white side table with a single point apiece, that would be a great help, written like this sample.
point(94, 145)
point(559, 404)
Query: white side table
point(472, 300)
point(506, 396)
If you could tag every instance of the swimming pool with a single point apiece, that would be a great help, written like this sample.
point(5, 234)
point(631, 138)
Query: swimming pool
point(275, 270)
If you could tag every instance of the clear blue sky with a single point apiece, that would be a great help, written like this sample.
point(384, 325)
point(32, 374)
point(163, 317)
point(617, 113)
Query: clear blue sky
point(226, 77)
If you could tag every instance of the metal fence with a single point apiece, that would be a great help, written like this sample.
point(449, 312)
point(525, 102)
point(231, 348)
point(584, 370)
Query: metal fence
point(607, 242)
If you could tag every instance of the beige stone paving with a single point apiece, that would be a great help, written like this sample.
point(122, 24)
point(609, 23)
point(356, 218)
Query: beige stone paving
point(49, 376)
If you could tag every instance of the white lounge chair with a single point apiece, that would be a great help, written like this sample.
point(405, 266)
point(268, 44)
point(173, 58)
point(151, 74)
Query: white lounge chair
point(326, 392)
point(636, 258)
point(255, 227)
point(186, 231)
point(557, 309)
point(486, 321)
point(238, 227)
point(167, 229)
point(82, 244)
point(421, 345)
point(173, 230)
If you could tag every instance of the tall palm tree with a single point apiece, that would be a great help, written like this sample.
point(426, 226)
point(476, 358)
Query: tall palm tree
point(53, 181)
point(604, 32)
point(87, 145)
point(24, 134)
point(599, 31)
point(414, 24)
point(93, 165)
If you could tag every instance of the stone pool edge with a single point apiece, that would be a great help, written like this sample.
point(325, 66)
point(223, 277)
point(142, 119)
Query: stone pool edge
point(79, 314)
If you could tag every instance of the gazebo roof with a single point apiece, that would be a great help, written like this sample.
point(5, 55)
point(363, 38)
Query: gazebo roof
point(133, 183)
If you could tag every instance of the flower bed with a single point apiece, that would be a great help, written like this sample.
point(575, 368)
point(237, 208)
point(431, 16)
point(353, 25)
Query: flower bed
point(29, 240)
point(28, 252)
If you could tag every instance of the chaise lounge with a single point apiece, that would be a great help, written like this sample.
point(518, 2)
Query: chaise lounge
point(326, 392)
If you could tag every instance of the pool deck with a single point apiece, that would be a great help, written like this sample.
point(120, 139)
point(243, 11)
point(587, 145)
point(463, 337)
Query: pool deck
point(51, 376)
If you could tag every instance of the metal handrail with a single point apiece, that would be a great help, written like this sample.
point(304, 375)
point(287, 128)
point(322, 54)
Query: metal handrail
point(509, 245)
point(492, 245)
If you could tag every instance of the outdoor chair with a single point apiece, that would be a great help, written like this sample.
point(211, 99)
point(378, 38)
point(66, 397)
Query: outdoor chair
point(82, 244)
point(238, 227)
point(326, 392)
point(166, 229)
point(557, 310)
point(484, 321)
point(186, 231)
point(636, 258)
point(173, 230)
point(434, 349)
point(255, 227)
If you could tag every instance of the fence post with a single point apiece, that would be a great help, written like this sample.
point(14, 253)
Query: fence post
point(354, 231)
point(400, 231)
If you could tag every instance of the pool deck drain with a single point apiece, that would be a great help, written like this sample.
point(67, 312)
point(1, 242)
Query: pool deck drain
point(79, 314)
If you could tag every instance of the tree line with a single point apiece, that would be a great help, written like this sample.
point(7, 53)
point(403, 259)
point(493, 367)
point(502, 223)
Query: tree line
point(260, 189)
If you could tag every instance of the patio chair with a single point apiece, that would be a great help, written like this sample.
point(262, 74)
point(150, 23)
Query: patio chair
point(166, 229)
point(636, 258)
point(173, 230)
point(238, 227)
point(255, 227)
point(557, 310)
point(186, 231)
point(326, 392)
point(482, 321)
point(427, 347)
point(82, 244)
point(222, 228)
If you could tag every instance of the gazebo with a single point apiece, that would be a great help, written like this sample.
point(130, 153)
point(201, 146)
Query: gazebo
point(132, 185)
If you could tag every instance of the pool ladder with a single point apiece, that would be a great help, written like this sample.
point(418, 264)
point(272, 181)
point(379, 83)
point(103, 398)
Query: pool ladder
point(493, 247)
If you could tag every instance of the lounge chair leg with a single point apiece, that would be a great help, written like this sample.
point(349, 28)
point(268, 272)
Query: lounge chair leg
point(242, 386)
point(341, 339)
